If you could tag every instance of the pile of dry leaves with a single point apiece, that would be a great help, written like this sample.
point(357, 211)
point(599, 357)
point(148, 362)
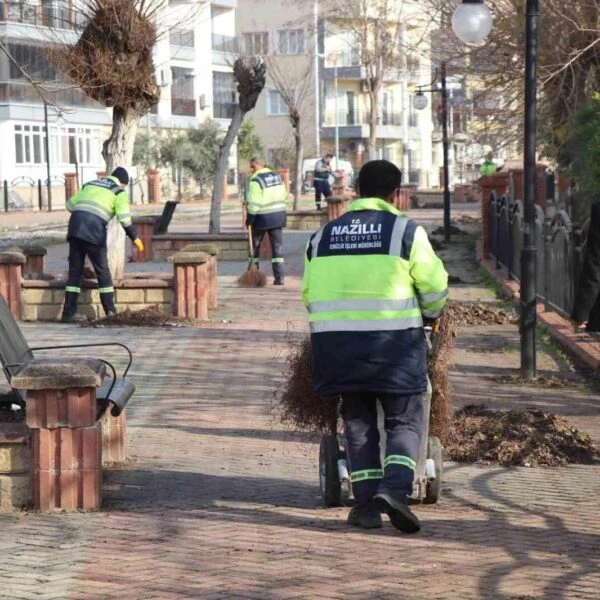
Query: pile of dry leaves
point(153, 316)
point(510, 438)
point(480, 314)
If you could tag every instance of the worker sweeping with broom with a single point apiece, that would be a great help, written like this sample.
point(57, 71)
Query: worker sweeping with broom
point(266, 201)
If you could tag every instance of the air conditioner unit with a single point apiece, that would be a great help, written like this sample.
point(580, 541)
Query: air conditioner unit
point(202, 101)
point(165, 77)
point(364, 86)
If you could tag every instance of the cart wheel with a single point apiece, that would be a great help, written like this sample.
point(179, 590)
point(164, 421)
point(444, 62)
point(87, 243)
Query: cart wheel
point(331, 489)
point(434, 488)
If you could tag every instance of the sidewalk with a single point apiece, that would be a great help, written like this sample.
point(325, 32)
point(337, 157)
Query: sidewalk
point(219, 501)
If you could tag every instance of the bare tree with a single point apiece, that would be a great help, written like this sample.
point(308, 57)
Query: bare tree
point(249, 72)
point(295, 89)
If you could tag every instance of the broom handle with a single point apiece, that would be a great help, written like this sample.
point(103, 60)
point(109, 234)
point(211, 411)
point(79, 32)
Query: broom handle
point(250, 246)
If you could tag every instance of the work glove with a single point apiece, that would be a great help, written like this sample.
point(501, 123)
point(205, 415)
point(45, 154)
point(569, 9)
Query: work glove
point(249, 220)
point(139, 244)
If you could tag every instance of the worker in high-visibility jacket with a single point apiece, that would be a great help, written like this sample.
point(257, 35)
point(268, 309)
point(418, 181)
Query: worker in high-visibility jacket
point(266, 214)
point(321, 176)
point(488, 166)
point(371, 278)
point(91, 208)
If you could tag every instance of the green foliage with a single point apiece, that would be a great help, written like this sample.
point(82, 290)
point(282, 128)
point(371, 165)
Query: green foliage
point(202, 146)
point(144, 150)
point(249, 142)
point(580, 155)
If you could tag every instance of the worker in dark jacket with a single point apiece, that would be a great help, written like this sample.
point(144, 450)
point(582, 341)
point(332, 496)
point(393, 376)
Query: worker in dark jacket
point(371, 277)
point(321, 176)
point(91, 208)
point(265, 201)
point(586, 309)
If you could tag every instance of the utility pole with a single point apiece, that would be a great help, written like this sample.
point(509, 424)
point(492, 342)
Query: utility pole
point(316, 77)
point(445, 152)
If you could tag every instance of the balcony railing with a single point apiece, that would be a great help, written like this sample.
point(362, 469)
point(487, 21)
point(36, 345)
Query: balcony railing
point(355, 118)
point(60, 17)
point(225, 43)
point(182, 37)
point(24, 92)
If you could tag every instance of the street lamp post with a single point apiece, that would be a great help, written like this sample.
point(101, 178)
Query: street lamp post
point(472, 23)
point(335, 108)
point(420, 102)
point(47, 146)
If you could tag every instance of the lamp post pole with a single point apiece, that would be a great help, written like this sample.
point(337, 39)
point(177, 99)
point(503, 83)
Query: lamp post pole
point(445, 152)
point(335, 108)
point(47, 146)
point(528, 294)
point(316, 76)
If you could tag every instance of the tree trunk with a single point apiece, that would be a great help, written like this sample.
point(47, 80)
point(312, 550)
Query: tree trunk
point(222, 162)
point(298, 173)
point(374, 108)
point(117, 151)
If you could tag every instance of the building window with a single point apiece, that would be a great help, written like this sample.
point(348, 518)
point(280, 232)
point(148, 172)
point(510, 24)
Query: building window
point(183, 101)
point(256, 42)
point(68, 145)
point(34, 61)
point(291, 41)
point(224, 95)
point(348, 49)
point(182, 37)
point(276, 104)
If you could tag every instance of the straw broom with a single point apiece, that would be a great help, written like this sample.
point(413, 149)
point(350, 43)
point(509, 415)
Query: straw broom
point(252, 278)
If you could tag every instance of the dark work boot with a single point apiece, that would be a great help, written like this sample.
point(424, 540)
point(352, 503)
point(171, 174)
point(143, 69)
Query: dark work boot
point(107, 300)
point(69, 313)
point(278, 273)
point(400, 515)
point(76, 318)
point(367, 517)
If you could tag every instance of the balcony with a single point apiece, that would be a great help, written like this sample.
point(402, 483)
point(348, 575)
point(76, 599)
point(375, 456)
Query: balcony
point(24, 92)
point(42, 16)
point(225, 43)
point(355, 124)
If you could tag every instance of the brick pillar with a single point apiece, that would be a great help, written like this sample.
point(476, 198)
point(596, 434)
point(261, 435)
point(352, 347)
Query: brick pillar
point(337, 188)
point(499, 183)
point(542, 185)
point(213, 251)
point(336, 207)
point(284, 173)
point(518, 184)
point(70, 184)
point(34, 262)
point(113, 438)
point(403, 202)
point(11, 273)
point(191, 285)
point(154, 192)
point(66, 439)
point(144, 227)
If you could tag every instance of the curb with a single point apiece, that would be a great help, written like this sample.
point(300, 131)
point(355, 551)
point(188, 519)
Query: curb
point(582, 345)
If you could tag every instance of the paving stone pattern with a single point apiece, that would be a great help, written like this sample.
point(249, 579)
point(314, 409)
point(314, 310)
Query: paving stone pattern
point(220, 501)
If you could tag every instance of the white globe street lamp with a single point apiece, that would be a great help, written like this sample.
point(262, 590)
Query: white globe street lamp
point(472, 21)
point(419, 101)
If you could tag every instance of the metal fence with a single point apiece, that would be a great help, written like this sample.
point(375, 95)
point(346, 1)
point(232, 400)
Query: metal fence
point(560, 250)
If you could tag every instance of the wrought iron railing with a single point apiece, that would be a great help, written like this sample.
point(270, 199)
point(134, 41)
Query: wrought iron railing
point(560, 248)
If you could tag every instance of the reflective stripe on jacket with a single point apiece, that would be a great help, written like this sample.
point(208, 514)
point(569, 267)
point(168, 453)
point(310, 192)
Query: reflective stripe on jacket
point(94, 205)
point(370, 277)
point(266, 200)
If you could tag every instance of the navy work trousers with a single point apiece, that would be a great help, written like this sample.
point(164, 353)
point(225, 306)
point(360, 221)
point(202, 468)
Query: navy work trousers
point(276, 240)
point(322, 188)
point(404, 424)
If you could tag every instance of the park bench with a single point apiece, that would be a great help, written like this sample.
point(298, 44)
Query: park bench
point(15, 354)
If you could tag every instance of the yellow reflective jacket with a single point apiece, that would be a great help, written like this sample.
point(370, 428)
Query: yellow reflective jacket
point(370, 277)
point(266, 200)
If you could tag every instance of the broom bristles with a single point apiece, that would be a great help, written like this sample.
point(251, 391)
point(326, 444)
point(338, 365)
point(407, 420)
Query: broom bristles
point(252, 278)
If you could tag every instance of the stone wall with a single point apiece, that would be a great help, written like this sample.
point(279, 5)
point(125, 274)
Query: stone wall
point(15, 467)
point(307, 220)
point(43, 300)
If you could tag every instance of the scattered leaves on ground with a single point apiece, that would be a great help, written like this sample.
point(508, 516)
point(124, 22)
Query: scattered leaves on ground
point(153, 316)
point(510, 438)
point(465, 314)
point(466, 220)
point(550, 381)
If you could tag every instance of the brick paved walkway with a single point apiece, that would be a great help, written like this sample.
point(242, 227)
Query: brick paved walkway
point(219, 501)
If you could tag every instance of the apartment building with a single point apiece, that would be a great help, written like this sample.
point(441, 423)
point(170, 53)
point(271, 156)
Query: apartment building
point(335, 110)
point(192, 67)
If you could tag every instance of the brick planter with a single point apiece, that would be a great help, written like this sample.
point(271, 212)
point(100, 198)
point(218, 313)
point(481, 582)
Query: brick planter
point(15, 467)
point(191, 285)
point(113, 438)
point(336, 207)
point(66, 440)
point(34, 262)
point(213, 251)
point(144, 227)
point(232, 246)
point(307, 220)
point(11, 273)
